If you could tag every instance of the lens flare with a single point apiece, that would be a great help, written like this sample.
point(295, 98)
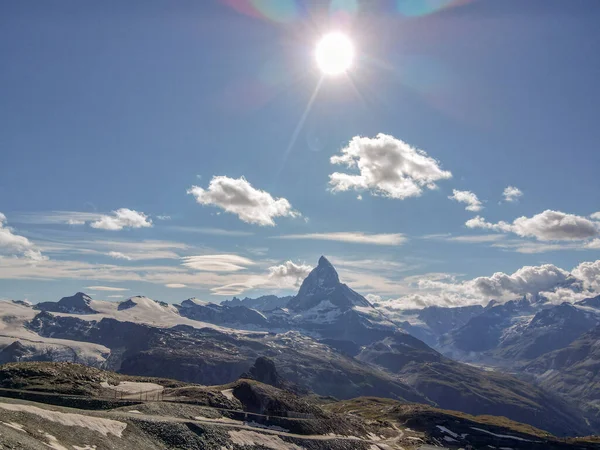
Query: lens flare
point(281, 11)
point(413, 8)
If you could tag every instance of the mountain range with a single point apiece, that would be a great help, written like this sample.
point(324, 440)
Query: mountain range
point(330, 340)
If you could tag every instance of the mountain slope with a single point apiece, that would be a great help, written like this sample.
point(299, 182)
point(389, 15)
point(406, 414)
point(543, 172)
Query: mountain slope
point(453, 385)
point(263, 303)
point(573, 371)
point(222, 315)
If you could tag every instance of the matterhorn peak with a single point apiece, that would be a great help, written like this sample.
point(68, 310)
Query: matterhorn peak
point(323, 284)
point(324, 262)
point(322, 277)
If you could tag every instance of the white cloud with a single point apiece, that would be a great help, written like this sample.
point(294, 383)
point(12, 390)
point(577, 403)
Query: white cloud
point(15, 245)
point(468, 197)
point(359, 197)
point(217, 263)
point(546, 226)
point(75, 222)
point(122, 218)
point(106, 288)
point(115, 296)
point(595, 216)
point(354, 237)
point(238, 196)
point(547, 280)
point(290, 271)
point(512, 193)
point(175, 285)
point(163, 217)
point(119, 255)
point(589, 273)
point(387, 166)
point(526, 280)
point(594, 244)
point(373, 298)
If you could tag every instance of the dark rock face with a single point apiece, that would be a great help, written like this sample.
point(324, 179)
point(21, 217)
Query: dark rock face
point(76, 304)
point(572, 372)
point(22, 303)
point(127, 304)
point(397, 351)
point(222, 315)
point(442, 320)
point(593, 302)
point(264, 303)
point(264, 371)
point(484, 331)
point(550, 329)
point(13, 352)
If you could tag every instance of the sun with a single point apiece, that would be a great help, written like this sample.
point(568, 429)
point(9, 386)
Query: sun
point(335, 53)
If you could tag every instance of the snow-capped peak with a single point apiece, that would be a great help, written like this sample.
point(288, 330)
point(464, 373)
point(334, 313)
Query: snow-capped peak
point(323, 284)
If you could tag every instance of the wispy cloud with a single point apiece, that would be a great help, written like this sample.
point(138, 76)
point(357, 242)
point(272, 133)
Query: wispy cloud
point(211, 231)
point(105, 288)
point(468, 239)
point(353, 237)
point(175, 285)
point(117, 220)
point(217, 263)
point(117, 249)
point(57, 217)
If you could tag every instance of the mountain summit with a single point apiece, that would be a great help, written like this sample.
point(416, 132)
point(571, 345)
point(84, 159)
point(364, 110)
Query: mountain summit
point(76, 304)
point(323, 284)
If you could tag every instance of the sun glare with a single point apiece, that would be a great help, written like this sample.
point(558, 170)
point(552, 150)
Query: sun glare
point(334, 53)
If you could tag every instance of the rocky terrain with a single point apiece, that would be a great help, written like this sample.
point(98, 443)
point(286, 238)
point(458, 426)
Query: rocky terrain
point(82, 413)
point(573, 371)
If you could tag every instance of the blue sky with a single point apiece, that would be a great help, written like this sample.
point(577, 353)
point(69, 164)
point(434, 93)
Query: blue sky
point(127, 105)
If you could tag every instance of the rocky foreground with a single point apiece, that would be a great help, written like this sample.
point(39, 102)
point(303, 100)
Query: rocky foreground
point(70, 406)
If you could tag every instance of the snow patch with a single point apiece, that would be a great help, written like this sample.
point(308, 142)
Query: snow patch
point(228, 393)
point(53, 442)
point(505, 436)
point(15, 425)
point(100, 425)
point(132, 387)
point(447, 431)
point(251, 438)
